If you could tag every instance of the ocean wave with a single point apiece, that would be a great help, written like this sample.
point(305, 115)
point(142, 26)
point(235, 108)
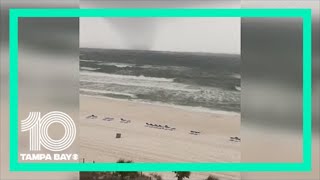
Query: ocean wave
point(120, 65)
point(86, 60)
point(106, 75)
point(214, 98)
point(108, 92)
point(138, 81)
point(208, 81)
point(88, 68)
point(158, 90)
point(237, 76)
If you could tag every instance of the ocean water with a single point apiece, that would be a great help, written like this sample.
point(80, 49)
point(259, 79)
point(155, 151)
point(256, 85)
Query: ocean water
point(199, 80)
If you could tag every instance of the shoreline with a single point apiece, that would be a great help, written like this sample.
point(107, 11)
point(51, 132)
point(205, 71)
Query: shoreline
point(158, 103)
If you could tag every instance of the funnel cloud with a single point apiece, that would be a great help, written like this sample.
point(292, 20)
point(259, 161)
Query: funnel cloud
point(214, 35)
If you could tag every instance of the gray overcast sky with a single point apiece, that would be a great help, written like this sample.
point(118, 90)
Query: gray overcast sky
point(216, 35)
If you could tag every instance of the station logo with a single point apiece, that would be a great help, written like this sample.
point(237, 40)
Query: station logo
point(39, 138)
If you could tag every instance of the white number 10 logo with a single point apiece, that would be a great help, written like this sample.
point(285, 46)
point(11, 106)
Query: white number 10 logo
point(38, 128)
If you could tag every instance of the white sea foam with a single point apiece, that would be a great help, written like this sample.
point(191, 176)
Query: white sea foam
point(237, 76)
point(120, 65)
point(88, 68)
point(109, 92)
point(141, 81)
point(85, 60)
point(153, 89)
point(106, 75)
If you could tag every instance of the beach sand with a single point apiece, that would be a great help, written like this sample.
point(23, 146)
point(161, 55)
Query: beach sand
point(145, 144)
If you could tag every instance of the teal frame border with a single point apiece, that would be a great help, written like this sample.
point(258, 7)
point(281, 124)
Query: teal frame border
point(304, 166)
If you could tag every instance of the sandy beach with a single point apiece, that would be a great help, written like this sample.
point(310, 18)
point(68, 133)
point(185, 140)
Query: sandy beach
point(142, 143)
